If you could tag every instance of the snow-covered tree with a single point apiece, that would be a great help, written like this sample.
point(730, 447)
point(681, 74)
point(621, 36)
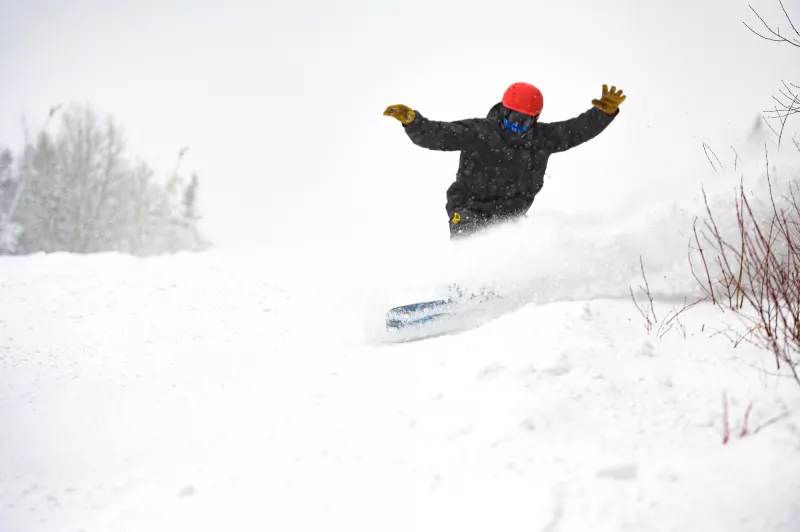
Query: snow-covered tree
point(6, 160)
point(9, 231)
point(78, 190)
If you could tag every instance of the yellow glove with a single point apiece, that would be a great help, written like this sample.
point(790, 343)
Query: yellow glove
point(610, 101)
point(404, 114)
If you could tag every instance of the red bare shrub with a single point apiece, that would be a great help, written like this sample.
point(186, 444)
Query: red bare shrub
point(756, 274)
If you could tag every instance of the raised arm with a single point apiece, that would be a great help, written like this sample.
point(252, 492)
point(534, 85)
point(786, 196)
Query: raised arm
point(562, 136)
point(434, 135)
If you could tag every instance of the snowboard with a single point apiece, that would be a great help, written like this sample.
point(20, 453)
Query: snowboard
point(419, 313)
point(437, 317)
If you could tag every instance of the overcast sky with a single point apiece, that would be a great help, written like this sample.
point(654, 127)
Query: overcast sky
point(281, 102)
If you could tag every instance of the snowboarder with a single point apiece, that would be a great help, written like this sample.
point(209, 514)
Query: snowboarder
point(503, 156)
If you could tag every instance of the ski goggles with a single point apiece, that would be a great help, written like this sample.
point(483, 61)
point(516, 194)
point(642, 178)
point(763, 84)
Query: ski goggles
point(518, 122)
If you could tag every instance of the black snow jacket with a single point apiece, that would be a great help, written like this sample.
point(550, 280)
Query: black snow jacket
point(501, 171)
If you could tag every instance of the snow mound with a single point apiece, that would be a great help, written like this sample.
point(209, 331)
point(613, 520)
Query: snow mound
point(239, 392)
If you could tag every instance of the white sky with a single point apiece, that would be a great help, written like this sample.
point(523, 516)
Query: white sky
point(281, 103)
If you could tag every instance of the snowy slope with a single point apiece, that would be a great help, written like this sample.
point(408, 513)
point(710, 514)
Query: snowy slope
point(248, 392)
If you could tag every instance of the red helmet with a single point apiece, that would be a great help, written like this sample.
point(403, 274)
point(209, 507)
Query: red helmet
point(524, 98)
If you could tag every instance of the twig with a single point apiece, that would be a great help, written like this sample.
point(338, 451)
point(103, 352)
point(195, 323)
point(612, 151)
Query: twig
point(682, 327)
point(726, 430)
point(710, 291)
point(723, 332)
point(735, 160)
point(770, 127)
point(743, 433)
point(745, 430)
point(739, 291)
point(750, 331)
point(643, 312)
point(675, 316)
point(706, 149)
point(789, 90)
point(771, 421)
point(647, 290)
point(783, 121)
point(779, 37)
point(788, 18)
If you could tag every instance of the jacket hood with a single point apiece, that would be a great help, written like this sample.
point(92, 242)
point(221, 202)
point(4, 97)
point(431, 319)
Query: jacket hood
point(496, 112)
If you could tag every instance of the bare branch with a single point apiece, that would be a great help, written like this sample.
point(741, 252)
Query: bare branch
point(676, 317)
point(743, 432)
point(783, 126)
point(647, 289)
point(706, 149)
point(771, 421)
point(648, 324)
point(726, 430)
point(788, 18)
point(776, 34)
point(767, 274)
point(786, 86)
point(762, 36)
point(736, 160)
point(770, 126)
